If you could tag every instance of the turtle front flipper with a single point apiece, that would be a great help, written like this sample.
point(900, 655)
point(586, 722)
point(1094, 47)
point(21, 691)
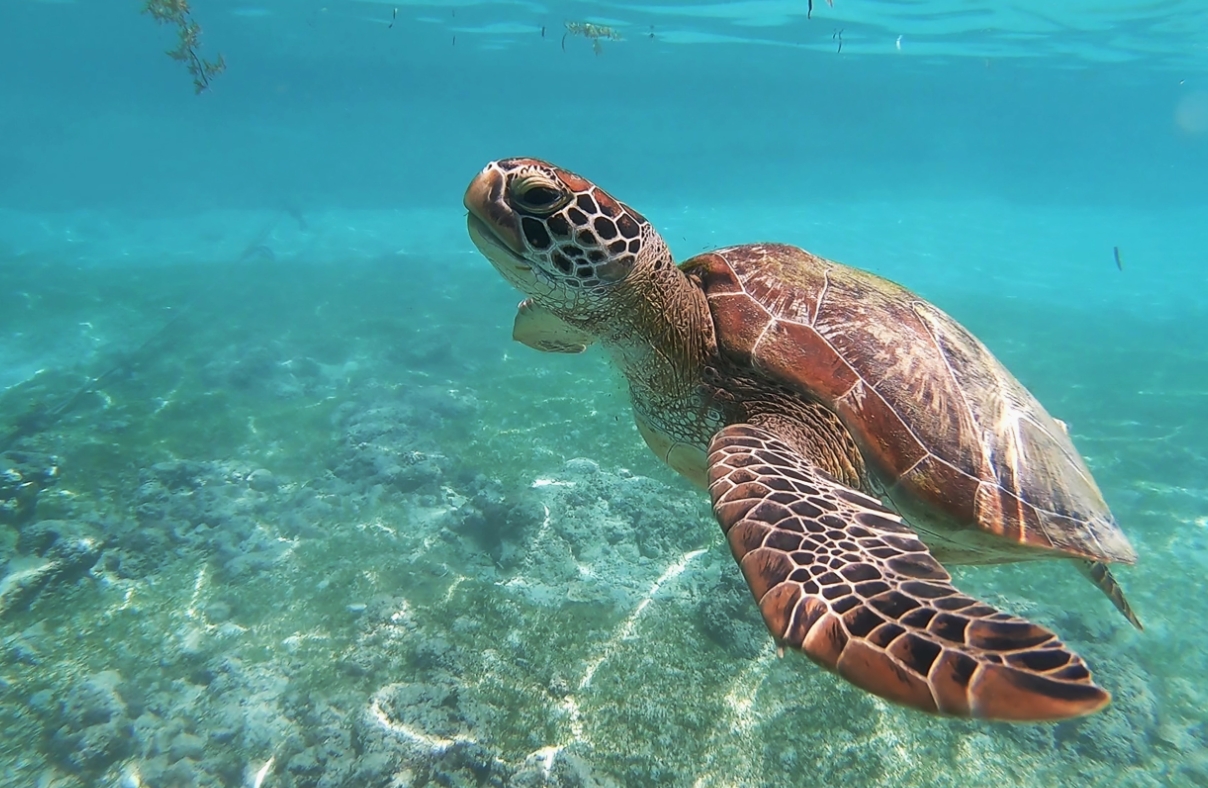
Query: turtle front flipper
point(842, 578)
point(541, 329)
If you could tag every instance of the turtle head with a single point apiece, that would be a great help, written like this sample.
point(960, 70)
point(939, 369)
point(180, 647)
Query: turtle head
point(556, 236)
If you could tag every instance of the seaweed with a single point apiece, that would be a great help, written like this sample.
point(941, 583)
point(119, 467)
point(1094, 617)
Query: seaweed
point(177, 12)
point(592, 32)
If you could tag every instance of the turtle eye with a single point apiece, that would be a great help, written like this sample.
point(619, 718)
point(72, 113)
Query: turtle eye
point(537, 196)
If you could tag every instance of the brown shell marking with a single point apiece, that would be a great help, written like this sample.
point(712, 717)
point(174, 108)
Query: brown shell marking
point(942, 423)
point(842, 578)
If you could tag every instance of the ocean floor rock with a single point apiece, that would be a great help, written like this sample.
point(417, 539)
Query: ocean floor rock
point(92, 727)
point(23, 475)
point(602, 536)
point(195, 504)
point(53, 552)
point(382, 446)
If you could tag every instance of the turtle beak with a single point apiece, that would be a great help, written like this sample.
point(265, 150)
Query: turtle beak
point(490, 214)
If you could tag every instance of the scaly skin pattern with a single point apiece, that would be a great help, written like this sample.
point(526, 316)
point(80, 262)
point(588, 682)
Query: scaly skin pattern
point(842, 578)
point(799, 392)
point(583, 244)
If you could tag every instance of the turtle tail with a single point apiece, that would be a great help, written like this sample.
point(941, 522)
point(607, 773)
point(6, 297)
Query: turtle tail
point(1099, 574)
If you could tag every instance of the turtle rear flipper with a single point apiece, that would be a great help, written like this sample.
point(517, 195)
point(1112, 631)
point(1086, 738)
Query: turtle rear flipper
point(1099, 574)
point(842, 578)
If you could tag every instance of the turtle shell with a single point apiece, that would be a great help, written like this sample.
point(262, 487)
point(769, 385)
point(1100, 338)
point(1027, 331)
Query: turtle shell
point(953, 440)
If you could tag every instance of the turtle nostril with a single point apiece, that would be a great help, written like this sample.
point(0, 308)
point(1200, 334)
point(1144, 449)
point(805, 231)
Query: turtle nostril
point(483, 192)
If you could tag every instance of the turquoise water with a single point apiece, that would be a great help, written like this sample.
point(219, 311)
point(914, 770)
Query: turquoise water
point(282, 504)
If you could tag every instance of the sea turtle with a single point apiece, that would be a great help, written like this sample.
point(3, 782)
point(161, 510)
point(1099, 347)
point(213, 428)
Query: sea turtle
point(849, 433)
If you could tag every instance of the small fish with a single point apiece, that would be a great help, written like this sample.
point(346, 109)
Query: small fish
point(393, 17)
point(809, 9)
point(543, 31)
point(454, 40)
point(256, 253)
point(564, 35)
point(1116, 254)
point(297, 216)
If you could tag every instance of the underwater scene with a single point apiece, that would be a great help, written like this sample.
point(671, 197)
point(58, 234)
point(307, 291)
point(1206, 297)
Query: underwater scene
point(284, 503)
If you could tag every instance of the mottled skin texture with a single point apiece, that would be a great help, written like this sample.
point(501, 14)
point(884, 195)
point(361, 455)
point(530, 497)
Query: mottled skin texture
point(849, 433)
